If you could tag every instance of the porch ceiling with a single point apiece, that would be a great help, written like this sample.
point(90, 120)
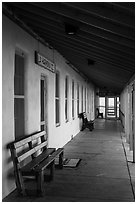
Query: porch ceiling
point(103, 48)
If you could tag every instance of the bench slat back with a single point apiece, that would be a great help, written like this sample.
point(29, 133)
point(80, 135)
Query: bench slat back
point(85, 117)
point(29, 143)
point(32, 151)
point(28, 139)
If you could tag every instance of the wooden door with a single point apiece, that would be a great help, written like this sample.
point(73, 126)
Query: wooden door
point(111, 107)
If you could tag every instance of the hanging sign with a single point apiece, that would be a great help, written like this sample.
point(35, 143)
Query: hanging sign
point(44, 62)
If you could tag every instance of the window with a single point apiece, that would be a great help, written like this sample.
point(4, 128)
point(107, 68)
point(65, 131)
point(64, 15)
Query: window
point(19, 96)
point(102, 105)
point(118, 103)
point(73, 99)
point(92, 99)
point(42, 99)
point(85, 100)
point(88, 101)
point(43, 102)
point(66, 98)
point(57, 118)
point(77, 98)
point(82, 99)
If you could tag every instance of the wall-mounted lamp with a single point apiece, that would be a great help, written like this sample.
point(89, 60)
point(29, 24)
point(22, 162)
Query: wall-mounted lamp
point(91, 62)
point(70, 29)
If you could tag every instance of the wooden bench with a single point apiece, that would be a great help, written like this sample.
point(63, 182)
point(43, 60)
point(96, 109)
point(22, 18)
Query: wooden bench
point(85, 122)
point(99, 114)
point(33, 148)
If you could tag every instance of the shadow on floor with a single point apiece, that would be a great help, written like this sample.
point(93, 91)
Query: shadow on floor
point(101, 176)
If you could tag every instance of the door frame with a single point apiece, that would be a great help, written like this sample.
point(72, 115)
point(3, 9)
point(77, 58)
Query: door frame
point(107, 107)
point(45, 108)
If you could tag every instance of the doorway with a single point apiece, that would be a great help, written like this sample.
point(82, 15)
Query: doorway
point(102, 106)
point(43, 106)
point(111, 107)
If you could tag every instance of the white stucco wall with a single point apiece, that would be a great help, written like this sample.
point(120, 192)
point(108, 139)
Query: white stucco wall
point(15, 38)
point(126, 108)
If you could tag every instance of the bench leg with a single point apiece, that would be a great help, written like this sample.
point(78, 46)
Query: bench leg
point(52, 169)
point(20, 183)
point(83, 127)
point(92, 126)
point(40, 181)
point(61, 160)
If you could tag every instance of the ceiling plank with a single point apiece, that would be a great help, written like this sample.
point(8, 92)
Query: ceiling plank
point(56, 42)
point(98, 38)
point(87, 19)
point(33, 10)
point(105, 79)
point(85, 48)
point(77, 40)
point(99, 9)
point(126, 6)
point(90, 39)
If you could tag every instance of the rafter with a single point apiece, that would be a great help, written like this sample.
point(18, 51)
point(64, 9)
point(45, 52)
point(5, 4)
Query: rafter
point(33, 10)
point(101, 11)
point(79, 49)
point(87, 19)
point(128, 7)
point(86, 45)
point(106, 35)
point(89, 38)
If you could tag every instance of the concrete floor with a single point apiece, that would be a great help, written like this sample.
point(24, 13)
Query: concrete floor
point(101, 176)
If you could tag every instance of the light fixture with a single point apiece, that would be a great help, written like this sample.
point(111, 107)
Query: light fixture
point(91, 62)
point(70, 29)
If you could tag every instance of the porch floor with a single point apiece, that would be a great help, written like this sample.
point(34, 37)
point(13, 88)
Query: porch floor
point(103, 174)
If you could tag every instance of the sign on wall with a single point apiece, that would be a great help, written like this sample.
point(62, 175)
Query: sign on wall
point(44, 62)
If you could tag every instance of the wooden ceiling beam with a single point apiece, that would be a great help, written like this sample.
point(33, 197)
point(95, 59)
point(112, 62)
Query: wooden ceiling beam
point(89, 20)
point(118, 61)
point(89, 38)
point(28, 9)
point(83, 51)
point(106, 43)
point(86, 45)
point(80, 45)
point(99, 9)
point(97, 66)
point(107, 77)
point(127, 7)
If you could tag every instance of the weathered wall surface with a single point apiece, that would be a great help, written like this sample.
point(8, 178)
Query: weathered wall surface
point(127, 114)
point(15, 38)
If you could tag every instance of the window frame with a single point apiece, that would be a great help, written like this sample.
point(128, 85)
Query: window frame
point(82, 98)
point(66, 98)
point(73, 99)
point(57, 98)
point(77, 98)
point(85, 99)
point(19, 94)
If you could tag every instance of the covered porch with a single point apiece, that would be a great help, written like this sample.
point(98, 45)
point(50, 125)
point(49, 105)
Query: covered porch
point(104, 174)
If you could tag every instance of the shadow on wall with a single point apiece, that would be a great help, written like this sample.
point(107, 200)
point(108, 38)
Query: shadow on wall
point(10, 173)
